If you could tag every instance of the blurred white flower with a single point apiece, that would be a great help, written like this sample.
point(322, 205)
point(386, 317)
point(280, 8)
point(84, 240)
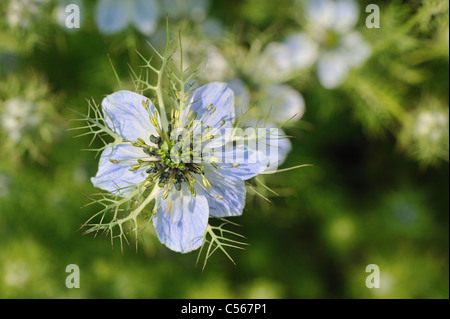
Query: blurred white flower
point(18, 117)
point(214, 66)
point(283, 102)
point(339, 16)
point(334, 65)
point(20, 12)
point(241, 96)
point(329, 40)
point(424, 133)
point(273, 98)
point(112, 16)
point(16, 273)
point(280, 102)
point(298, 51)
point(432, 125)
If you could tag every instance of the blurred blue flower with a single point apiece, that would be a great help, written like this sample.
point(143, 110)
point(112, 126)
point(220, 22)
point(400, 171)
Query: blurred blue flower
point(187, 192)
point(112, 16)
point(329, 41)
point(298, 51)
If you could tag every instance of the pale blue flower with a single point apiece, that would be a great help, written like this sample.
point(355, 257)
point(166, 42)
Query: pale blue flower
point(329, 41)
point(188, 192)
point(333, 66)
point(112, 16)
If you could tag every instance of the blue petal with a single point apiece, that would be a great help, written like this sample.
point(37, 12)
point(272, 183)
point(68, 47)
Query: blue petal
point(346, 16)
point(303, 50)
point(116, 178)
point(232, 191)
point(145, 17)
point(278, 147)
point(126, 115)
point(111, 16)
point(332, 69)
point(181, 220)
point(220, 96)
point(250, 161)
point(355, 49)
point(277, 60)
point(320, 12)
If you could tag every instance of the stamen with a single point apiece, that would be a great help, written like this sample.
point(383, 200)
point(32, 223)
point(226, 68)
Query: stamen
point(154, 139)
point(206, 182)
point(147, 184)
point(135, 167)
point(191, 188)
point(146, 103)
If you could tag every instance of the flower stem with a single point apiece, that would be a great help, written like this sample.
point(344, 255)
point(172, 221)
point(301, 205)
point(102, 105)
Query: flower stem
point(162, 109)
point(137, 211)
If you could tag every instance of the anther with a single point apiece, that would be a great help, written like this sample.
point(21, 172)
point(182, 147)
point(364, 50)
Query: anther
point(154, 139)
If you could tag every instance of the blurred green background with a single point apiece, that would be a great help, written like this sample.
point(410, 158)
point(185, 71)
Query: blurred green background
point(377, 192)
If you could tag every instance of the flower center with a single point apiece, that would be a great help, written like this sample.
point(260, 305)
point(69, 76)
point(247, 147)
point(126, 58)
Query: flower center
point(331, 40)
point(175, 158)
point(172, 162)
point(169, 165)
